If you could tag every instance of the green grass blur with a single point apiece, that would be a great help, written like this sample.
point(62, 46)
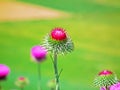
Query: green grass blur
point(94, 29)
point(80, 6)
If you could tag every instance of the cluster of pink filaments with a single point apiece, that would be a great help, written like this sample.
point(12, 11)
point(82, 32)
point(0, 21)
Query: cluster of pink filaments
point(58, 34)
point(105, 72)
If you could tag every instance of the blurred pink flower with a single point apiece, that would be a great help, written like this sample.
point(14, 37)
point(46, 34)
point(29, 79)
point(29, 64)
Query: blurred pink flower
point(21, 78)
point(4, 71)
point(38, 53)
point(105, 72)
point(115, 86)
point(58, 34)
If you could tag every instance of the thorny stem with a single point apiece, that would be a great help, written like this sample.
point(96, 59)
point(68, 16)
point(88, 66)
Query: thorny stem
point(39, 77)
point(56, 71)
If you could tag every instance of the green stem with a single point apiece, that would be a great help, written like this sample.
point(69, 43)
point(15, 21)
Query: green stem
point(52, 89)
point(107, 88)
point(56, 71)
point(22, 88)
point(0, 86)
point(39, 77)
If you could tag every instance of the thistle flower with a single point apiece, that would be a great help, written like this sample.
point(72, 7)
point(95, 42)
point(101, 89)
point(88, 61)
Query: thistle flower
point(21, 82)
point(58, 41)
point(105, 79)
point(115, 86)
point(4, 71)
point(38, 53)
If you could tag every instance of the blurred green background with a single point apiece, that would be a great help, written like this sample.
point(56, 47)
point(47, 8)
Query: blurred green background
point(94, 29)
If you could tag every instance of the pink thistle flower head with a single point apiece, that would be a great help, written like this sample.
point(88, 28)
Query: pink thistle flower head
point(4, 71)
point(58, 34)
point(105, 78)
point(105, 72)
point(38, 53)
point(115, 86)
point(58, 41)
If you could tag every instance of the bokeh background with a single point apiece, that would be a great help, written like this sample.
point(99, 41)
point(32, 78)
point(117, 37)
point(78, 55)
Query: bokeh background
point(94, 26)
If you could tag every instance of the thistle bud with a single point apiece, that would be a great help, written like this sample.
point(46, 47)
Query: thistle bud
point(21, 82)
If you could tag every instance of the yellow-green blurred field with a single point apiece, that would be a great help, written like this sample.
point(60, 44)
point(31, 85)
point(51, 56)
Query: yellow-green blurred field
point(94, 29)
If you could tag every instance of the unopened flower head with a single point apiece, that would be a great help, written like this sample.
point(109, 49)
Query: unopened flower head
point(51, 84)
point(22, 82)
point(58, 34)
point(38, 53)
point(4, 71)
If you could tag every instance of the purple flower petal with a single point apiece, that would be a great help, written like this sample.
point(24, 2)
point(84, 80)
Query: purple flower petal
point(115, 86)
